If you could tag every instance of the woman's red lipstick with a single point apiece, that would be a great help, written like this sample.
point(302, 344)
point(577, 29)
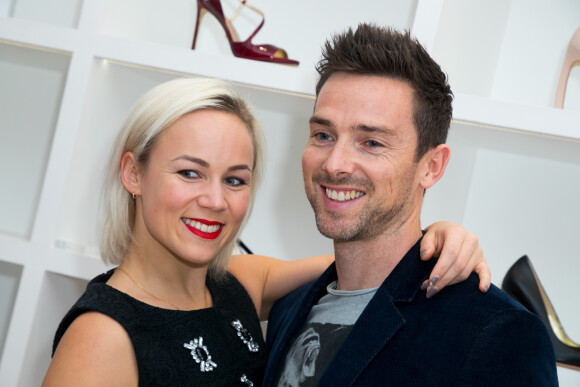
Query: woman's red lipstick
point(197, 226)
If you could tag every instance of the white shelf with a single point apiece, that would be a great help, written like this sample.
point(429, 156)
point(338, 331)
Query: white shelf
point(532, 120)
point(39, 36)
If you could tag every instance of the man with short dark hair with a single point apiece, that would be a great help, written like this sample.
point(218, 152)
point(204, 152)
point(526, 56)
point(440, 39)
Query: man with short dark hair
point(377, 142)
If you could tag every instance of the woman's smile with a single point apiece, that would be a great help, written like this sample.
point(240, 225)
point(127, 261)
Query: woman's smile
point(204, 228)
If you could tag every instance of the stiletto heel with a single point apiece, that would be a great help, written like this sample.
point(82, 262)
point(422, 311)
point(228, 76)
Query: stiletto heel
point(242, 49)
point(200, 13)
point(522, 283)
point(572, 59)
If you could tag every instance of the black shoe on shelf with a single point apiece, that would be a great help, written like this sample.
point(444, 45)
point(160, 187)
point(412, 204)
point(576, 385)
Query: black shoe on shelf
point(522, 283)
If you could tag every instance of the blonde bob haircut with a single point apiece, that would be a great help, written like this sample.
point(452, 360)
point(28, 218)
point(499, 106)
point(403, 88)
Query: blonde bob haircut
point(154, 112)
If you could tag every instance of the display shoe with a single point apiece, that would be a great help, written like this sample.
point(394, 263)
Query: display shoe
point(245, 249)
point(572, 59)
point(522, 283)
point(241, 49)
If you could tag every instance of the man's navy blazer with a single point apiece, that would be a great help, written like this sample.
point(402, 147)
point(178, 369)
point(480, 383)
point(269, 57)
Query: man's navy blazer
point(460, 337)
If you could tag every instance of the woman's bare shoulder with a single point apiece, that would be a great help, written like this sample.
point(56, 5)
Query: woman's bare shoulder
point(95, 350)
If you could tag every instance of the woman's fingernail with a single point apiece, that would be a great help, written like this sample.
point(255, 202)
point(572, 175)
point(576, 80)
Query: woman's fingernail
point(432, 291)
point(485, 288)
point(422, 253)
point(434, 280)
point(425, 285)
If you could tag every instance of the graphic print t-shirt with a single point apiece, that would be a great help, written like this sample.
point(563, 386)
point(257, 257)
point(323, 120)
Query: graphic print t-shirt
point(327, 325)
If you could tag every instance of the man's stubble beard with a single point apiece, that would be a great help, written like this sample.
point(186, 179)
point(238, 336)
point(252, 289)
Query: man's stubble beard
point(372, 221)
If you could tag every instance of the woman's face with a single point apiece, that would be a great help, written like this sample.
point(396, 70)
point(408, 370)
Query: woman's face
point(195, 188)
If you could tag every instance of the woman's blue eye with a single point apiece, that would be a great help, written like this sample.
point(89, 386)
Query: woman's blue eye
point(188, 173)
point(234, 181)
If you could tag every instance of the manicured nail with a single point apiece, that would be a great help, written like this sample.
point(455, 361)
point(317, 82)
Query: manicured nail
point(432, 291)
point(422, 253)
point(434, 280)
point(425, 285)
point(485, 288)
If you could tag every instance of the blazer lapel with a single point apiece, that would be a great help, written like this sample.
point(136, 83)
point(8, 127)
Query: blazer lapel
point(375, 327)
point(380, 320)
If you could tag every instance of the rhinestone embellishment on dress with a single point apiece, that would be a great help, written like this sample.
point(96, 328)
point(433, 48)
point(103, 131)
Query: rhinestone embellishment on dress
point(200, 354)
point(245, 336)
point(244, 379)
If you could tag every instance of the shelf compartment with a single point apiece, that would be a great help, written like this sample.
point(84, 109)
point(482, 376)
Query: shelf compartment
point(29, 106)
point(496, 49)
point(172, 23)
point(65, 13)
point(9, 280)
point(57, 294)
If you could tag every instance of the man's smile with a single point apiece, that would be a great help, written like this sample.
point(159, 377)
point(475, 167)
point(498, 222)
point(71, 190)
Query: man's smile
point(343, 195)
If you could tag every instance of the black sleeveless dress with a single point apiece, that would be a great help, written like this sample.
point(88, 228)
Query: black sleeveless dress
point(217, 346)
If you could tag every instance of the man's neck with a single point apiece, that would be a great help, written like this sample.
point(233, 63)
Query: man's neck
point(366, 264)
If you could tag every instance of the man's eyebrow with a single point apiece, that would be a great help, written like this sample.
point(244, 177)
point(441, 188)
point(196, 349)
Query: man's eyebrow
point(374, 129)
point(361, 127)
point(205, 164)
point(320, 121)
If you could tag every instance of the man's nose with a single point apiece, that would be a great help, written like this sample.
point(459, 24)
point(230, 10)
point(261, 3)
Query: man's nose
point(340, 160)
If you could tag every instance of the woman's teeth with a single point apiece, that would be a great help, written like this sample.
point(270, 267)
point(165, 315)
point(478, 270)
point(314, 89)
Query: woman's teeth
point(202, 227)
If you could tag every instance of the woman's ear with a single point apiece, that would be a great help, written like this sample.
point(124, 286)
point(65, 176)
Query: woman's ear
point(435, 161)
point(130, 173)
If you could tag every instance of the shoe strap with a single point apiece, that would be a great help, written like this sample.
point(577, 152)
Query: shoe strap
point(243, 4)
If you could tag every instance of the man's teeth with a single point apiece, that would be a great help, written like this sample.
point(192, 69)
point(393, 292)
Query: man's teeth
point(202, 227)
point(342, 196)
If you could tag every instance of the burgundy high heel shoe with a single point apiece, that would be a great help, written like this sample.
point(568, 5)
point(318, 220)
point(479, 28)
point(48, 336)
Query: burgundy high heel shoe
point(572, 59)
point(241, 49)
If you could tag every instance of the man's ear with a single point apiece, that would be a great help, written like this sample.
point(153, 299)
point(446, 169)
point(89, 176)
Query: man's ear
point(434, 164)
point(130, 173)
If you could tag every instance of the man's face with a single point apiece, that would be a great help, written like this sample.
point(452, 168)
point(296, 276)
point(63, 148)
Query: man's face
point(359, 171)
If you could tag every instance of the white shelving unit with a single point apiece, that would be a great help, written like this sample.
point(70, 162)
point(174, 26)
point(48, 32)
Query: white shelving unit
point(71, 70)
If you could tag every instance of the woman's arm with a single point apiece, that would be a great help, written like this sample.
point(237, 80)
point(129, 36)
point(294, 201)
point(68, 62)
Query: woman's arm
point(94, 351)
point(267, 279)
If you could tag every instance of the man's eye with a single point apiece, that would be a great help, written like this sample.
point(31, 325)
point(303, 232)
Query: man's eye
point(373, 144)
point(188, 173)
point(322, 136)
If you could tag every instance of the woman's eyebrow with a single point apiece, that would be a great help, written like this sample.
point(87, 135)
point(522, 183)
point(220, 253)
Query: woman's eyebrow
point(196, 160)
point(205, 164)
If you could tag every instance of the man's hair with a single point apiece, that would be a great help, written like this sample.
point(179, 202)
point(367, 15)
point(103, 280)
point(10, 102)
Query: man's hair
point(385, 52)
